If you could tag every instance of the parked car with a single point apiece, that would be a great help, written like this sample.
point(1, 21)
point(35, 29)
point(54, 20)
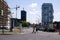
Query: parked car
point(4, 28)
point(40, 28)
point(50, 29)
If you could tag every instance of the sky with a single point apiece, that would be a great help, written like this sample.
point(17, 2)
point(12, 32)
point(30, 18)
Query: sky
point(33, 9)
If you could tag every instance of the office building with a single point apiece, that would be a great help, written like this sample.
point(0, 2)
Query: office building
point(23, 15)
point(47, 13)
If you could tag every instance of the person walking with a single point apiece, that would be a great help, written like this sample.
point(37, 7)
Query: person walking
point(37, 28)
point(34, 28)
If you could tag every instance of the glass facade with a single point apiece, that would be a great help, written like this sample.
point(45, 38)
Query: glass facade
point(23, 15)
point(47, 13)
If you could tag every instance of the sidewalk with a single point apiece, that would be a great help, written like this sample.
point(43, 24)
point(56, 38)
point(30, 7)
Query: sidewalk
point(7, 32)
point(28, 35)
point(27, 30)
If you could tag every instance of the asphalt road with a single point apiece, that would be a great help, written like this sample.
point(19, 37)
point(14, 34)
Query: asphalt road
point(28, 35)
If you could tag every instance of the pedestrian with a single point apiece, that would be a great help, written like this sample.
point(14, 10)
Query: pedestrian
point(34, 28)
point(37, 28)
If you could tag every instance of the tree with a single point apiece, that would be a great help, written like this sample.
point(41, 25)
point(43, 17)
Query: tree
point(25, 24)
point(16, 23)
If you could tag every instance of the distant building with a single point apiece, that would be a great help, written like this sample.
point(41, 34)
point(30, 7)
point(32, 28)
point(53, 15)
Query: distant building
point(23, 15)
point(47, 13)
point(56, 25)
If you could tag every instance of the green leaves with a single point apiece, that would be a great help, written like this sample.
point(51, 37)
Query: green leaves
point(25, 24)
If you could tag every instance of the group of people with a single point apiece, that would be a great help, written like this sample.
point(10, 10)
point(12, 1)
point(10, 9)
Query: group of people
point(35, 28)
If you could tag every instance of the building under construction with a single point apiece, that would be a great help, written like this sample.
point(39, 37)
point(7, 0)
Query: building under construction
point(5, 14)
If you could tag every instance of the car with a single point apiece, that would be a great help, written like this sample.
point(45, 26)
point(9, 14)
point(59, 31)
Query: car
point(4, 28)
point(50, 29)
point(40, 28)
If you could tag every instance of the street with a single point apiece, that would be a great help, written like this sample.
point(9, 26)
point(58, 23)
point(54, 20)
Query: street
point(28, 35)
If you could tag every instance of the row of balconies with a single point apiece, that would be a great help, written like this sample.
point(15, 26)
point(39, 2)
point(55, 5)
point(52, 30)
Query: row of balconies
point(4, 18)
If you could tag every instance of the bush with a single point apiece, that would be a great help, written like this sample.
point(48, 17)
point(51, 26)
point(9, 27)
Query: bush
point(25, 24)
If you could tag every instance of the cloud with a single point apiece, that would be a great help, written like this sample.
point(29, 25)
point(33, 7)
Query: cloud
point(33, 5)
point(32, 19)
point(57, 16)
point(33, 8)
point(33, 11)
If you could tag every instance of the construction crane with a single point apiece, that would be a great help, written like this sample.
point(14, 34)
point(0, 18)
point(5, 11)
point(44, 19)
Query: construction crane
point(16, 8)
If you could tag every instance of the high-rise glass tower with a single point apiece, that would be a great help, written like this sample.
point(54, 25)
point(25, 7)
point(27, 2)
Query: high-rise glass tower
point(47, 13)
point(23, 15)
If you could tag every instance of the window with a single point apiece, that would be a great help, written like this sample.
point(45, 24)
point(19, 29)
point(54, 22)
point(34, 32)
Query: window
point(0, 12)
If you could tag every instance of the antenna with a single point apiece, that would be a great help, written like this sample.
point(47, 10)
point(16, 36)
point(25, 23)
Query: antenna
point(23, 8)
